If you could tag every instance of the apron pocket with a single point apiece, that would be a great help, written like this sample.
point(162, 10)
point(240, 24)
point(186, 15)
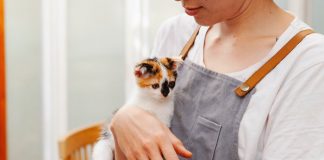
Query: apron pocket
point(203, 139)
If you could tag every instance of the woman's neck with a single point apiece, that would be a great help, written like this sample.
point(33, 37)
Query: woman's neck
point(256, 18)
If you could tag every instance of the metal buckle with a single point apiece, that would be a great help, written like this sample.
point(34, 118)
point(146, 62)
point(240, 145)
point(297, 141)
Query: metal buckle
point(244, 87)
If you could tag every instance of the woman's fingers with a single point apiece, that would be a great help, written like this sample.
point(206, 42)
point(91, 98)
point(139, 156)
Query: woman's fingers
point(153, 151)
point(118, 153)
point(137, 155)
point(178, 145)
point(168, 151)
point(182, 151)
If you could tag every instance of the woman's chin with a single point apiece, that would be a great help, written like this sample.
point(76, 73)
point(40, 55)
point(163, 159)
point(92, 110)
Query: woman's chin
point(203, 22)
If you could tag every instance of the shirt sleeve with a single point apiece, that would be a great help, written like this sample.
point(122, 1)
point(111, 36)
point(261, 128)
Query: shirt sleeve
point(296, 123)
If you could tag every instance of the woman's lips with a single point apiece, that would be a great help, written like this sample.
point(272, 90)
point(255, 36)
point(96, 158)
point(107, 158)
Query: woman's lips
point(192, 11)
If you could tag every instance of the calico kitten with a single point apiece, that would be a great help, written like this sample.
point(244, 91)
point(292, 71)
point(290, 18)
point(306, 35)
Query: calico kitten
point(155, 81)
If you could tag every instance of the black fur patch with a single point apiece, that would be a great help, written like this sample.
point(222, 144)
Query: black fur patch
point(175, 74)
point(170, 64)
point(171, 84)
point(165, 88)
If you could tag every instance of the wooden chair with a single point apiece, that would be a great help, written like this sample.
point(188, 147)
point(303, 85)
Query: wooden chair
point(78, 144)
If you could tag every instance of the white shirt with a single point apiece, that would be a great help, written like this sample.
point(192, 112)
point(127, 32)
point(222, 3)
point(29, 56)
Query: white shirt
point(285, 117)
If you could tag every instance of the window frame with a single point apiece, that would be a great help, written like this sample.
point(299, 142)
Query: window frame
point(3, 111)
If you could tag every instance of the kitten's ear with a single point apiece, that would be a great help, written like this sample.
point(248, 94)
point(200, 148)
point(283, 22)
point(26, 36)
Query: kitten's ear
point(171, 63)
point(176, 62)
point(138, 73)
point(142, 70)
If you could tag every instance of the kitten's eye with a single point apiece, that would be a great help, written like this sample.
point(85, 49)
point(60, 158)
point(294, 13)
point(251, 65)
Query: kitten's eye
point(155, 86)
point(171, 84)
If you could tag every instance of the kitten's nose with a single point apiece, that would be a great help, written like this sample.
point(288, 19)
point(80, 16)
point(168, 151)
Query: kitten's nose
point(165, 89)
point(165, 92)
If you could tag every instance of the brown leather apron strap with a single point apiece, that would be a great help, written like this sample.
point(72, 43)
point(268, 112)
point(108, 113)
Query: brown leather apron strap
point(189, 44)
point(248, 85)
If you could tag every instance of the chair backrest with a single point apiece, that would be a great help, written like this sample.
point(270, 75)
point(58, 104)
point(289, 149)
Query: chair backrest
point(78, 144)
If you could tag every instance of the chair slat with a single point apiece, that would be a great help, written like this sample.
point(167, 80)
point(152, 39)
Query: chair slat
point(86, 151)
point(73, 146)
point(81, 154)
point(73, 156)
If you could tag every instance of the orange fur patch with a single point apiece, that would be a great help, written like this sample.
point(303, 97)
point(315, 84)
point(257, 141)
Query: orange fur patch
point(152, 78)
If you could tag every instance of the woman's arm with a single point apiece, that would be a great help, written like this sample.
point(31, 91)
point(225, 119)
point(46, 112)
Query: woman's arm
point(140, 135)
point(296, 122)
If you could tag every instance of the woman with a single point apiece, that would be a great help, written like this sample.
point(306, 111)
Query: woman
point(281, 118)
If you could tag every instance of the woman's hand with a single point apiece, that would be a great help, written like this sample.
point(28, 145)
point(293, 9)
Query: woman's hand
point(118, 153)
point(141, 136)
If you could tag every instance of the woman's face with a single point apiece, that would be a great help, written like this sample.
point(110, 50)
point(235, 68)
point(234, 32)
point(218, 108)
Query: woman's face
point(209, 12)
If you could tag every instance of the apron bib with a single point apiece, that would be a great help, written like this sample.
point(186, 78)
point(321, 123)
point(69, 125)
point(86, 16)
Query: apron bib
point(209, 106)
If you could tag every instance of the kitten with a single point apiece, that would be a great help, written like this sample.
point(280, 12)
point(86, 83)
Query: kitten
point(155, 79)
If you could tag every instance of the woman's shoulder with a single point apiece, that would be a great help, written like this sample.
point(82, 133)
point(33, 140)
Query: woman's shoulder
point(172, 35)
point(312, 41)
point(310, 52)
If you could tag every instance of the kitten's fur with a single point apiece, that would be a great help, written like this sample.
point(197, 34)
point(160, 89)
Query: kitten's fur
point(155, 82)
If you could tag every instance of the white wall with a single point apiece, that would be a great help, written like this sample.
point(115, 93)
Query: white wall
point(160, 10)
point(96, 55)
point(282, 3)
point(23, 58)
point(143, 19)
point(95, 34)
point(317, 15)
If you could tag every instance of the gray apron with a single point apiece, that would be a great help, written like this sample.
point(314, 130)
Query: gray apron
point(209, 106)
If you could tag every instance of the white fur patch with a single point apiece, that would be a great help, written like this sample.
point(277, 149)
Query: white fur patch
point(104, 150)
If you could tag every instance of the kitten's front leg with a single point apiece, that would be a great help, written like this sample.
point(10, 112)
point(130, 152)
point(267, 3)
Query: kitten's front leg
point(104, 149)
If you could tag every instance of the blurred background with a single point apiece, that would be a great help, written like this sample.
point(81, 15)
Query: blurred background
point(67, 62)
